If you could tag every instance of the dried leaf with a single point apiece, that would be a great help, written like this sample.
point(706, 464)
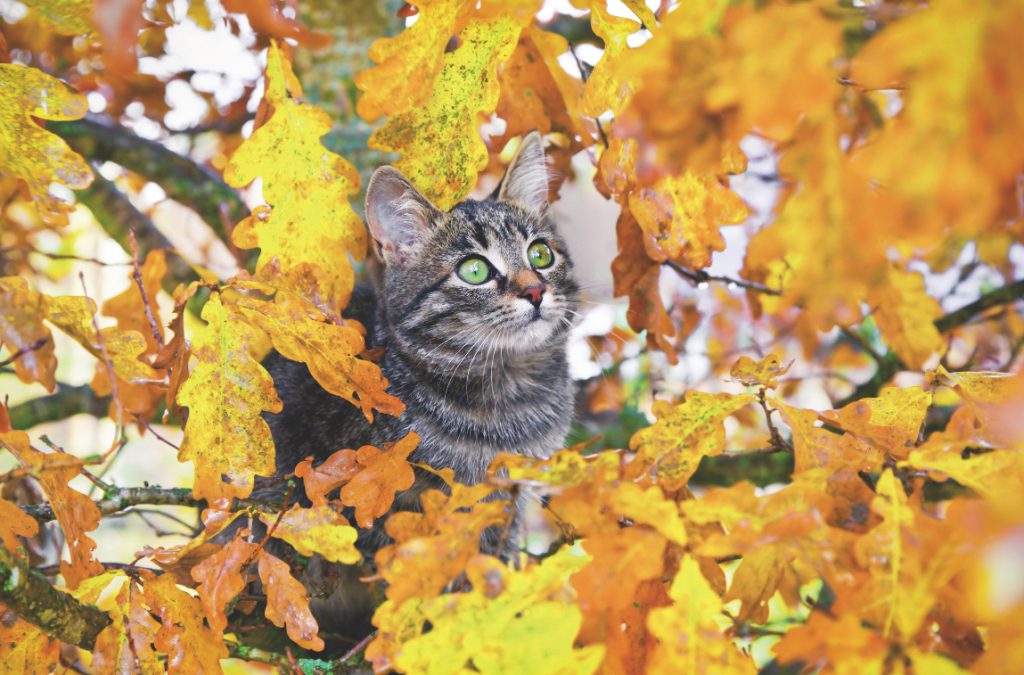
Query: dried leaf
point(321, 530)
point(330, 351)
point(125, 647)
point(442, 151)
point(759, 373)
point(287, 604)
point(690, 640)
point(15, 523)
point(334, 472)
point(74, 316)
point(192, 648)
point(411, 61)
point(21, 326)
point(385, 471)
point(76, 513)
point(670, 451)
point(221, 578)
point(225, 394)
point(307, 186)
point(29, 152)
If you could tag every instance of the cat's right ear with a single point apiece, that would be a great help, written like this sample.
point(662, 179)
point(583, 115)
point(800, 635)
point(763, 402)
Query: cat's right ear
point(400, 217)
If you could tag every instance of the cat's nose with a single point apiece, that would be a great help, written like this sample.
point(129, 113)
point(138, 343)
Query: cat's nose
point(533, 294)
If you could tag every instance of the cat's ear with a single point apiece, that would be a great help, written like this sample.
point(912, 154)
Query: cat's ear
point(526, 180)
point(400, 217)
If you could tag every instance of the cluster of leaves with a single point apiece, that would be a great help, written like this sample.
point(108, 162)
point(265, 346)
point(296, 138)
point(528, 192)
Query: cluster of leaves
point(855, 565)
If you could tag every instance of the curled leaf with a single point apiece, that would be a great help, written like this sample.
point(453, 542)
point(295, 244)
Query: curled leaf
point(759, 373)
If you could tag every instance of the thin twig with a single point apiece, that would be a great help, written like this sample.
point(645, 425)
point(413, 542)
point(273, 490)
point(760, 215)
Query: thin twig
point(270, 531)
point(150, 429)
point(110, 366)
point(766, 450)
point(137, 275)
point(38, 344)
point(362, 645)
point(499, 551)
point(52, 570)
point(777, 440)
point(862, 342)
point(700, 277)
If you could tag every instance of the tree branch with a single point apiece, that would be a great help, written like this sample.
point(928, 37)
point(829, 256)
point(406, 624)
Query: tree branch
point(182, 179)
point(32, 598)
point(119, 499)
point(66, 402)
point(1001, 296)
point(700, 277)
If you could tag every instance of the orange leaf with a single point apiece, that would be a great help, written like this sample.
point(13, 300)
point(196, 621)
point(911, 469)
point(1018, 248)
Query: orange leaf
point(76, 513)
point(905, 317)
point(192, 648)
point(891, 423)
point(756, 373)
point(385, 472)
point(334, 472)
point(287, 604)
point(670, 451)
point(221, 578)
point(24, 648)
point(126, 645)
point(15, 523)
point(128, 307)
point(21, 326)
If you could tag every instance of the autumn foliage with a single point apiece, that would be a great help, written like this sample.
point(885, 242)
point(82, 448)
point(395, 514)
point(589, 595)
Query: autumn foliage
point(891, 536)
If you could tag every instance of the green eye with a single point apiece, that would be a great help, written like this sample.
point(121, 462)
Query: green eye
point(474, 270)
point(540, 255)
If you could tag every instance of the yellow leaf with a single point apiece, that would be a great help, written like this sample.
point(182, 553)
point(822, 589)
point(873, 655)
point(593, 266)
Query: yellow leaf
point(952, 156)
point(21, 325)
point(689, 639)
point(410, 61)
point(670, 451)
point(992, 396)
point(307, 186)
point(605, 89)
point(330, 351)
point(891, 422)
point(31, 153)
point(74, 316)
point(319, 529)
point(24, 648)
point(511, 622)
point(225, 394)
point(67, 17)
point(681, 216)
point(192, 648)
point(126, 645)
point(442, 151)
point(905, 316)
point(649, 507)
point(756, 373)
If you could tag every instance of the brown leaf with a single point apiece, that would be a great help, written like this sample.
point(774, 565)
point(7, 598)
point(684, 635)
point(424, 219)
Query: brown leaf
point(125, 647)
point(76, 513)
point(287, 604)
point(192, 648)
point(221, 578)
point(385, 472)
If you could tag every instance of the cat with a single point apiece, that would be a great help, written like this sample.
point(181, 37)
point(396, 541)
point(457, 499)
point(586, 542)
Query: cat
point(473, 309)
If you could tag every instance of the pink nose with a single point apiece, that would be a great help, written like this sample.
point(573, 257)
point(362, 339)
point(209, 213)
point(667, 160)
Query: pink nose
point(533, 294)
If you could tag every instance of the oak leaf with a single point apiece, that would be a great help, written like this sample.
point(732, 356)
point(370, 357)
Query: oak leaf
point(225, 394)
point(508, 618)
point(24, 648)
point(287, 604)
point(76, 513)
point(764, 373)
point(74, 316)
point(15, 523)
point(410, 62)
point(128, 307)
point(300, 334)
point(22, 311)
point(319, 529)
point(606, 89)
point(838, 645)
point(905, 316)
point(670, 451)
point(126, 645)
point(891, 422)
point(332, 473)
point(442, 151)
point(307, 187)
point(384, 472)
point(191, 647)
point(690, 640)
point(29, 152)
point(222, 577)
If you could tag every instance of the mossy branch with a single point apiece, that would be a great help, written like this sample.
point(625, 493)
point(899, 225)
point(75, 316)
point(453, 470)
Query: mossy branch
point(32, 598)
point(66, 402)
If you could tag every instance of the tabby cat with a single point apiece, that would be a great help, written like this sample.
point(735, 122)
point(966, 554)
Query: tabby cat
point(472, 308)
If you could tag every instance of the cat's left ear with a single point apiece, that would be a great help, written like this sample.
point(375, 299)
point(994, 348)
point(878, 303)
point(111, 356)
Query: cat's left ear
point(526, 180)
point(399, 216)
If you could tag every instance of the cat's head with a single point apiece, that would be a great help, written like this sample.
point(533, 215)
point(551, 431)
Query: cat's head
point(488, 277)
